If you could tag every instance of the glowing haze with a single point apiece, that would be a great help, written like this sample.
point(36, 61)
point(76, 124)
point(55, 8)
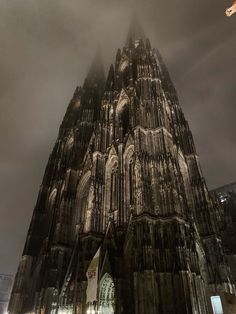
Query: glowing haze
point(46, 50)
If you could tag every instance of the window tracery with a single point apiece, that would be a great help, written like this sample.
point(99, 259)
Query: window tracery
point(107, 295)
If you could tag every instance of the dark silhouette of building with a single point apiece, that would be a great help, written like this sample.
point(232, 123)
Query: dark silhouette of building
point(124, 177)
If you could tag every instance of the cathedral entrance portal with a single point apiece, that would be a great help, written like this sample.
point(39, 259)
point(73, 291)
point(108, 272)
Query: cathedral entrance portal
point(107, 295)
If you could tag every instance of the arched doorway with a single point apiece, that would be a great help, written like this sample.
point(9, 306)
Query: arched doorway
point(106, 295)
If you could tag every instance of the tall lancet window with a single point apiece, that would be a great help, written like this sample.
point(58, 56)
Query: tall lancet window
point(131, 182)
point(82, 201)
point(122, 114)
point(83, 204)
point(124, 120)
point(111, 197)
point(114, 190)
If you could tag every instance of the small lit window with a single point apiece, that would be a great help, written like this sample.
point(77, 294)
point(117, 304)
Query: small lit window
point(216, 305)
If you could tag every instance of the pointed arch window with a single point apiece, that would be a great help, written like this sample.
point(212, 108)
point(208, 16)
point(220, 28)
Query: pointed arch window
point(106, 295)
point(114, 189)
point(111, 203)
point(124, 120)
point(83, 204)
point(82, 200)
point(122, 114)
point(131, 181)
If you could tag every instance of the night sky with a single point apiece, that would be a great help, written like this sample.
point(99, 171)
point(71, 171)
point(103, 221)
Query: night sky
point(46, 49)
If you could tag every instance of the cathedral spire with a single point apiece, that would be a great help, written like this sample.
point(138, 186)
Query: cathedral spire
point(96, 74)
point(135, 32)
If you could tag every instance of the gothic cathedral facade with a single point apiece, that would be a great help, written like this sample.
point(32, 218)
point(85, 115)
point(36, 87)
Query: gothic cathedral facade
point(124, 176)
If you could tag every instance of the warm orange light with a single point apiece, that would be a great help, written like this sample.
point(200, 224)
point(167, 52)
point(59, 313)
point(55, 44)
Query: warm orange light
point(230, 11)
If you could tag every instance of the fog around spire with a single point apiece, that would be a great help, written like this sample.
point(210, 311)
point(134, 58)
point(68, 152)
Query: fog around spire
point(96, 73)
point(135, 32)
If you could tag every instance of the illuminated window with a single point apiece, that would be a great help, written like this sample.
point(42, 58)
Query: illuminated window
point(216, 305)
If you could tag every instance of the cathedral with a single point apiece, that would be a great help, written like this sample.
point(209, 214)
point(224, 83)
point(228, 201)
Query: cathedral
point(124, 222)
